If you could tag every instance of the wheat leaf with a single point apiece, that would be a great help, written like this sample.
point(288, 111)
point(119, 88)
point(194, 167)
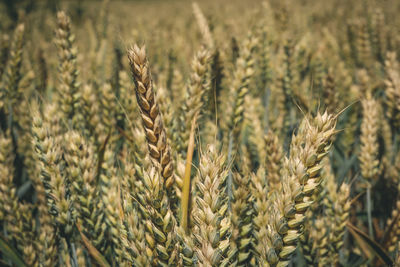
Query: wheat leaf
point(10, 253)
point(92, 250)
point(368, 245)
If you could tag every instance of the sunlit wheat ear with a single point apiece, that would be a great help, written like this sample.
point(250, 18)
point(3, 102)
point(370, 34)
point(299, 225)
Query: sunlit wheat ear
point(209, 211)
point(159, 149)
point(369, 138)
point(301, 177)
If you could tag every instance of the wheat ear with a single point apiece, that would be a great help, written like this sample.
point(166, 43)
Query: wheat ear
point(160, 222)
point(392, 88)
point(266, 240)
point(209, 211)
point(159, 149)
point(369, 138)
point(301, 178)
point(13, 73)
point(4, 52)
point(67, 52)
point(241, 220)
point(203, 25)
point(273, 161)
point(8, 200)
point(49, 153)
point(196, 92)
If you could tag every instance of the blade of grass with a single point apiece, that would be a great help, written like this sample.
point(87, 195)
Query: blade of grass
point(369, 211)
point(356, 197)
point(389, 229)
point(343, 172)
point(101, 156)
point(24, 188)
point(9, 252)
point(92, 250)
point(368, 245)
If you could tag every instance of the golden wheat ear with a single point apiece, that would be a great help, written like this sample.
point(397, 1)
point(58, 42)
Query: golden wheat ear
point(159, 149)
point(369, 139)
point(301, 179)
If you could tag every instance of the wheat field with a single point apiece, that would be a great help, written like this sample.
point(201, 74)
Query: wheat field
point(210, 133)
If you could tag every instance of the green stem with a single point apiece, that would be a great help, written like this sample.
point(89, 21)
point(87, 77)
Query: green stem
point(369, 211)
